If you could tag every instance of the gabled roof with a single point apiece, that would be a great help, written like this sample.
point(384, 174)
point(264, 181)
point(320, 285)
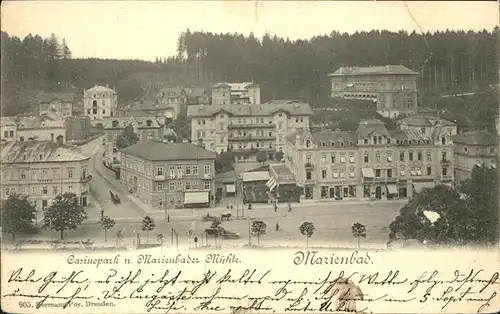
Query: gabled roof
point(266, 109)
point(159, 151)
point(222, 84)
point(373, 70)
point(97, 88)
point(484, 138)
point(425, 121)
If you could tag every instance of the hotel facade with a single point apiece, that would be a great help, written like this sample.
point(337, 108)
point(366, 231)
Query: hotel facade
point(369, 163)
point(99, 102)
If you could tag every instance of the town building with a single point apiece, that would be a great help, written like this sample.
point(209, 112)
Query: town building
point(225, 184)
point(369, 163)
point(78, 128)
point(474, 148)
point(56, 106)
point(235, 93)
point(99, 102)
point(37, 128)
point(247, 129)
point(426, 124)
point(145, 127)
point(169, 175)
point(42, 170)
point(392, 87)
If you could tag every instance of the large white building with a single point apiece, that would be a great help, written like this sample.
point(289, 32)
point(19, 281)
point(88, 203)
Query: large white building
point(235, 93)
point(100, 102)
point(247, 129)
point(42, 170)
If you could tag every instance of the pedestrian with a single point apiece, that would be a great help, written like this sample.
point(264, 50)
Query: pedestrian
point(275, 207)
point(168, 217)
point(277, 226)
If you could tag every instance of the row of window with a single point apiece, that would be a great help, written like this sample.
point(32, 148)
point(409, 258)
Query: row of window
point(42, 174)
point(169, 200)
point(182, 185)
point(413, 171)
point(44, 190)
point(8, 133)
point(366, 158)
point(182, 170)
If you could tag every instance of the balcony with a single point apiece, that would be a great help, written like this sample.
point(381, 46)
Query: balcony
point(207, 177)
point(252, 138)
point(250, 151)
point(310, 181)
point(309, 165)
point(86, 178)
point(445, 161)
point(159, 177)
point(251, 126)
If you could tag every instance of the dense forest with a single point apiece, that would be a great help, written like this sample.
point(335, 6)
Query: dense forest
point(285, 69)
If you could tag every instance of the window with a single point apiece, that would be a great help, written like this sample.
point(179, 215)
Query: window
point(206, 185)
point(280, 126)
point(402, 156)
point(389, 173)
point(222, 139)
point(332, 156)
point(280, 138)
point(351, 172)
point(443, 156)
point(410, 156)
point(70, 173)
point(180, 171)
point(308, 143)
point(366, 157)
point(308, 175)
point(171, 186)
point(54, 190)
point(342, 158)
point(187, 186)
point(206, 169)
point(323, 159)
point(429, 170)
point(365, 141)
point(402, 171)
point(377, 173)
point(419, 156)
point(159, 187)
point(422, 130)
point(429, 156)
point(160, 201)
point(492, 150)
point(351, 158)
point(7, 191)
point(389, 157)
point(443, 140)
point(465, 149)
point(159, 171)
point(323, 173)
point(222, 126)
point(377, 157)
point(23, 175)
point(70, 188)
point(444, 171)
point(188, 170)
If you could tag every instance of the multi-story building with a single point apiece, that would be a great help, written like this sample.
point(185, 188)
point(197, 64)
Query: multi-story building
point(474, 148)
point(99, 102)
point(145, 127)
point(57, 106)
point(37, 128)
point(169, 175)
point(371, 162)
point(392, 87)
point(42, 170)
point(426, 124)
point(247, 129)
point(235, 93)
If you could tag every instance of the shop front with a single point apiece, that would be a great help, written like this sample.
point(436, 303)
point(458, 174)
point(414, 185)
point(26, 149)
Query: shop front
point(197, 199)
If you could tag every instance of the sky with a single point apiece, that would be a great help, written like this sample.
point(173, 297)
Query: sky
point(147, 29)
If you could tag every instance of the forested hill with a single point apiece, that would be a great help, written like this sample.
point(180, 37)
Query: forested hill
point(285, 69)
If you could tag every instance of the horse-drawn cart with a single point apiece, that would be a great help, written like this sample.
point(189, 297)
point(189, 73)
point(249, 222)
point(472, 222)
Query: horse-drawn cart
point(115, 198)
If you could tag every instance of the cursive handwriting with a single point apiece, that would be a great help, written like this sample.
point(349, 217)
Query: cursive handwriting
point(253, 289)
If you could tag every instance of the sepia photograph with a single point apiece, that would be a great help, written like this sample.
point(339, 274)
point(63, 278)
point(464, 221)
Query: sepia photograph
point(254, 156)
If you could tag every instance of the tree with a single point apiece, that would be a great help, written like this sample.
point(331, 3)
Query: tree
point(307, 229)
point(258, 228)
point(481, 202)
point(358, 231)
point(18, 214)
point(65, 213)
point(148, 224)
point(224, 162)
point(262, 157)
point(279, 155)
point(106, 224)
point(127, 138)
point(453, 223)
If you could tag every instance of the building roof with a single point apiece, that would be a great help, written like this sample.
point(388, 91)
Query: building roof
point(160, 151)
point(372, 126)
point(408, 134)
point(222, 84)
point(476, 138)
point(425, 121)
point(255, 176)
point(373, 70)
point(63, 97)
point(37, 123)
point(266, 109)
point(240, 86)
point(98, 88)
point(228, 176)
point(122, 122)
point(45, 151)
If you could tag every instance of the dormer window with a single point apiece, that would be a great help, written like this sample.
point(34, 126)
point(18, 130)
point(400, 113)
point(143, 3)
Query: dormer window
point(341, 144)
point(365, 141)
point(443, 140)
point(388, 141)
point(375, 140)
point(308, 143)
point(149, 123)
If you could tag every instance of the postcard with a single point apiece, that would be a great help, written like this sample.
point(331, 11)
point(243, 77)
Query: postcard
point(250, 157)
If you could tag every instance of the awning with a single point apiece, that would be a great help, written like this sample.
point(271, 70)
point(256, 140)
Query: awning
point(368, 173)
point(418, 186)
point(195, 197)
point(392, 189)
point(271, 184)
point(230, 188)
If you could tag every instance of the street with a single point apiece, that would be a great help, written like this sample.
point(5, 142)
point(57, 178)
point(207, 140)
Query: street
point(332, 220)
